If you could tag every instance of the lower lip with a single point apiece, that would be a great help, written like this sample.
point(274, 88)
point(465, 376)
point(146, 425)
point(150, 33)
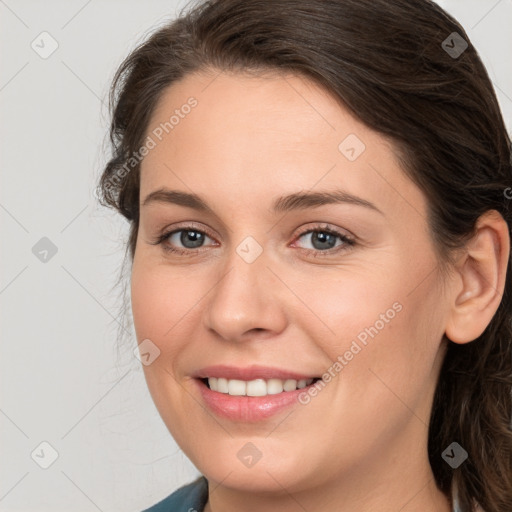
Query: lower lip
point(248, 408)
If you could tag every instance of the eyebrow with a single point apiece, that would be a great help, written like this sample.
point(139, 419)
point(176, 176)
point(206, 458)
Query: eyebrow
point(296, 201)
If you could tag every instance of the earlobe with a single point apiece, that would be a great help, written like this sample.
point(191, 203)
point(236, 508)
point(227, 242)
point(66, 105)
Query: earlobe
point(481, 273)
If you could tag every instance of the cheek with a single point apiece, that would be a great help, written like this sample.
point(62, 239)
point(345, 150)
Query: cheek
point(162, 301)
point(383, 337)
point(146, 302)
point(161, 308)
point(350, 307)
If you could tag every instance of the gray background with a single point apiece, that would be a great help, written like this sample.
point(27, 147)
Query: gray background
point(62, 379)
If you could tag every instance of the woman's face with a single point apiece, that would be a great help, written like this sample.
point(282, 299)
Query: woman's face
point(311, 258)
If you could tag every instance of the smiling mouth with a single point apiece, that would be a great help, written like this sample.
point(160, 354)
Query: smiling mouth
point(256, 387)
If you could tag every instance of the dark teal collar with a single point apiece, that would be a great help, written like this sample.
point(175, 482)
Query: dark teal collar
point(190, 497)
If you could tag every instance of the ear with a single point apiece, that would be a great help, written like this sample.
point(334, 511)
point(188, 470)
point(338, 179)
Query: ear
point(480, 279)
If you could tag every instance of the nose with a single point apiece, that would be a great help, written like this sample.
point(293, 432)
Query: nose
point(246, 302)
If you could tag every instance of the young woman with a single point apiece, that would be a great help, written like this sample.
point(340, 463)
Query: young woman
point(319, 203)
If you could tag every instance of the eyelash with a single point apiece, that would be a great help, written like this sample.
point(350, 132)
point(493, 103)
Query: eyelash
point(348, 242)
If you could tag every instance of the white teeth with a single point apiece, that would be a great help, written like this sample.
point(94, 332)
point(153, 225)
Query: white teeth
point(257, 387)
point(274, 386)
point(236, 387)
point(222, 385)
point(290, 385)
point(214, 382)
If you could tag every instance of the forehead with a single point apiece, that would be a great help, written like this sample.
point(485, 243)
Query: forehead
point(216, 132)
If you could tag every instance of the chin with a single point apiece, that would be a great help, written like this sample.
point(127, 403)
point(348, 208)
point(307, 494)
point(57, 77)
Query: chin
point(240, 465)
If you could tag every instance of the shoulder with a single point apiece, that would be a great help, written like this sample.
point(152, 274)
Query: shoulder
point(189, 498)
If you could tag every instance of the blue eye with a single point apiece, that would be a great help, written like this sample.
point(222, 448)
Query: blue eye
point(190, 238)
point(322, 238)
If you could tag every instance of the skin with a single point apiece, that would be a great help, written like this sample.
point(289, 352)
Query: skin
point(361, 443)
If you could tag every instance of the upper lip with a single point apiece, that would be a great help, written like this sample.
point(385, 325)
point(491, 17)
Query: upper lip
point(249, 373)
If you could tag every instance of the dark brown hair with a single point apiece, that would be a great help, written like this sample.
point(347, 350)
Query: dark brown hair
point(392, 63)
